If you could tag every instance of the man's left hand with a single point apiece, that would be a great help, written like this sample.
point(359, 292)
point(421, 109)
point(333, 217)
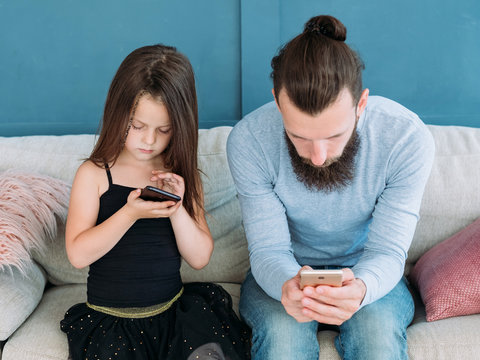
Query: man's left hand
point(334, 305)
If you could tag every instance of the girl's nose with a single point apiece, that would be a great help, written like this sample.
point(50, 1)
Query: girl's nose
point(150, 137)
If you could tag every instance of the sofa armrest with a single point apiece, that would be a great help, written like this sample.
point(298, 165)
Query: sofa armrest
point(20, 295)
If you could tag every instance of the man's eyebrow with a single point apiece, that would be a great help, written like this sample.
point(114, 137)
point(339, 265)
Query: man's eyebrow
point(304, 138)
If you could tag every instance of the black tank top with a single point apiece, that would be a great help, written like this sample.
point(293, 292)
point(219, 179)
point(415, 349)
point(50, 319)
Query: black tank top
point(143, 268)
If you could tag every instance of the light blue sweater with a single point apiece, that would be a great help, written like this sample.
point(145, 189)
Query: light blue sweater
point(368, 225)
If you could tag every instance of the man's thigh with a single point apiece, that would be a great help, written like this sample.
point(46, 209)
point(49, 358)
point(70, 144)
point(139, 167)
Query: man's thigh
point(275, 334)
point(378, 330)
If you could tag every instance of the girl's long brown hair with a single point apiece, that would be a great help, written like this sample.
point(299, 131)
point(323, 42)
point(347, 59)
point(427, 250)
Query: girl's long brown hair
point(165, 74)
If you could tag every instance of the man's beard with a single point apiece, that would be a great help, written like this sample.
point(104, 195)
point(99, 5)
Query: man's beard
point(328, 178)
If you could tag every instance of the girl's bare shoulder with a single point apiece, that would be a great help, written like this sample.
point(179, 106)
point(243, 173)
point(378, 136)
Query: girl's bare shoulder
point(89, 168)
point(92, 174)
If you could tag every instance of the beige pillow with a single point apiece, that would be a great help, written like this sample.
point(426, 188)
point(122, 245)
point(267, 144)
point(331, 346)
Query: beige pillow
point(20, 293)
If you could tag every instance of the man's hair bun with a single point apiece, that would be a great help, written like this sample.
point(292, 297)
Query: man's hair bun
point(327, 26)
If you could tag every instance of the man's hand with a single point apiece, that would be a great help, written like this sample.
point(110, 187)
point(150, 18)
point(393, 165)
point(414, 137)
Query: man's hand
point(334, 305)
point(292, 298)
point(324, 304)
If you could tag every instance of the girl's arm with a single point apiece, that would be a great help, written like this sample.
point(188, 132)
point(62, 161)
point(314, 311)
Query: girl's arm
point(193, 237)
point(84, 241)
point(87, 242)
point(194, 240)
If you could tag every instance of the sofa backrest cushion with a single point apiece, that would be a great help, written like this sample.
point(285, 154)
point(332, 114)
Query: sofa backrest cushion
point(229, 262)
point(452, 195)
point(450, 203)
point(60, 156)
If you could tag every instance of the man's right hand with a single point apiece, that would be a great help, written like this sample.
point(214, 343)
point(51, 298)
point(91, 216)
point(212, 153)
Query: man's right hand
point(292, 297)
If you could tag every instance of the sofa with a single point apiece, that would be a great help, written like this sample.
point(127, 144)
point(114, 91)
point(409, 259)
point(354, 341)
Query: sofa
point(34, 300)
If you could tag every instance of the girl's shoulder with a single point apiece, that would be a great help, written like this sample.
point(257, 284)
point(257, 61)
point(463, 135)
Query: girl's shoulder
point(89, 168)
point(93, 175)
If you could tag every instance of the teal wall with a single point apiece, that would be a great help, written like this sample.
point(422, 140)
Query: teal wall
point(59, 56)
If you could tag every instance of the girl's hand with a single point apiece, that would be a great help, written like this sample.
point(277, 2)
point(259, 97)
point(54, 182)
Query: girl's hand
point(170, 182)
point(140, 209)
point(193, 237)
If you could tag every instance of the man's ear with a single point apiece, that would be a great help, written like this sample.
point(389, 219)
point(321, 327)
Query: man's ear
point(362, 102)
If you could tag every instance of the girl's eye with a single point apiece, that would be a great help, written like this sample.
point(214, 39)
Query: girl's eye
point(164, 131)
point(136, 127)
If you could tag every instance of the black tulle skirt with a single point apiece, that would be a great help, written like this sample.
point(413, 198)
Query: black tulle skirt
point(202, 314)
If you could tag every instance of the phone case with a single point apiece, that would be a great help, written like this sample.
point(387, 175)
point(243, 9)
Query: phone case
point(152, 193)
point(321, 277)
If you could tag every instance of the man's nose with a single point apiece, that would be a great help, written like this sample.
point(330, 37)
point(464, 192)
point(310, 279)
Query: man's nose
point(318, 154)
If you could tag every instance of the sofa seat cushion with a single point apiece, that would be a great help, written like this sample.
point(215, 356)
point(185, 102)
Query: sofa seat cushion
point(452, 338)
point(40, 337)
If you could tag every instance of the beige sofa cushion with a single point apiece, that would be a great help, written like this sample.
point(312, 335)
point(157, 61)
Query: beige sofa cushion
point(447, 339)
point(452, 195)
point(19, 296)
point(56, 156)
point(55, 262)
point(40, 154)
point(229, 261)
point(40, 337)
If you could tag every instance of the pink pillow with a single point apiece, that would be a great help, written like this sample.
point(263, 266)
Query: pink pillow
point(448, 275)
point(30, 205)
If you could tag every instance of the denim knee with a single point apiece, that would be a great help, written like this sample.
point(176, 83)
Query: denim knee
point(275, 334)
point(378, 330)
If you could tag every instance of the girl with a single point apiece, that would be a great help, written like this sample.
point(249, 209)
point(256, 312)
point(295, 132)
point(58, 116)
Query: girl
point(137, 306)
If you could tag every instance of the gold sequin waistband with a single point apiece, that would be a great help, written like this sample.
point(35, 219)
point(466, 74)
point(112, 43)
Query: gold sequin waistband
point(137, 312)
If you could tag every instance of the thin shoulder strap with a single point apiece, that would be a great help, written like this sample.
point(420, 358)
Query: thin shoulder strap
point(109, 175)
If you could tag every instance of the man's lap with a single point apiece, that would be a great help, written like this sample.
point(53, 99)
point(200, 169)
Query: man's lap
point(278, 335)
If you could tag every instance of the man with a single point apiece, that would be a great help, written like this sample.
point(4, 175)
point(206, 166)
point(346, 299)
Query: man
point(328, 177)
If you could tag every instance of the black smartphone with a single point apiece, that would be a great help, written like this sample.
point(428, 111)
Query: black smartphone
point(152, 193)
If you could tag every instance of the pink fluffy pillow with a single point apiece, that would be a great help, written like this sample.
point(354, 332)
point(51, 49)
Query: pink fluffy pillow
point(448, 275)
point(30, 205)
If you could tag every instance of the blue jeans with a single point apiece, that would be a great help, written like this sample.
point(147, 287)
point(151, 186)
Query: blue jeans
point(377, 331)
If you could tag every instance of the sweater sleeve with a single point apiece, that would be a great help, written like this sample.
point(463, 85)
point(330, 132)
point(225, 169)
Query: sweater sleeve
point(264, 218)
point(395, 215)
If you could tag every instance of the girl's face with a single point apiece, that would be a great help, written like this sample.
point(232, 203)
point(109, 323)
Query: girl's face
point(150, 131)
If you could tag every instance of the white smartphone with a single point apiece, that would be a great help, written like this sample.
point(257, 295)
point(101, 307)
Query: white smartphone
point(321, 277)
